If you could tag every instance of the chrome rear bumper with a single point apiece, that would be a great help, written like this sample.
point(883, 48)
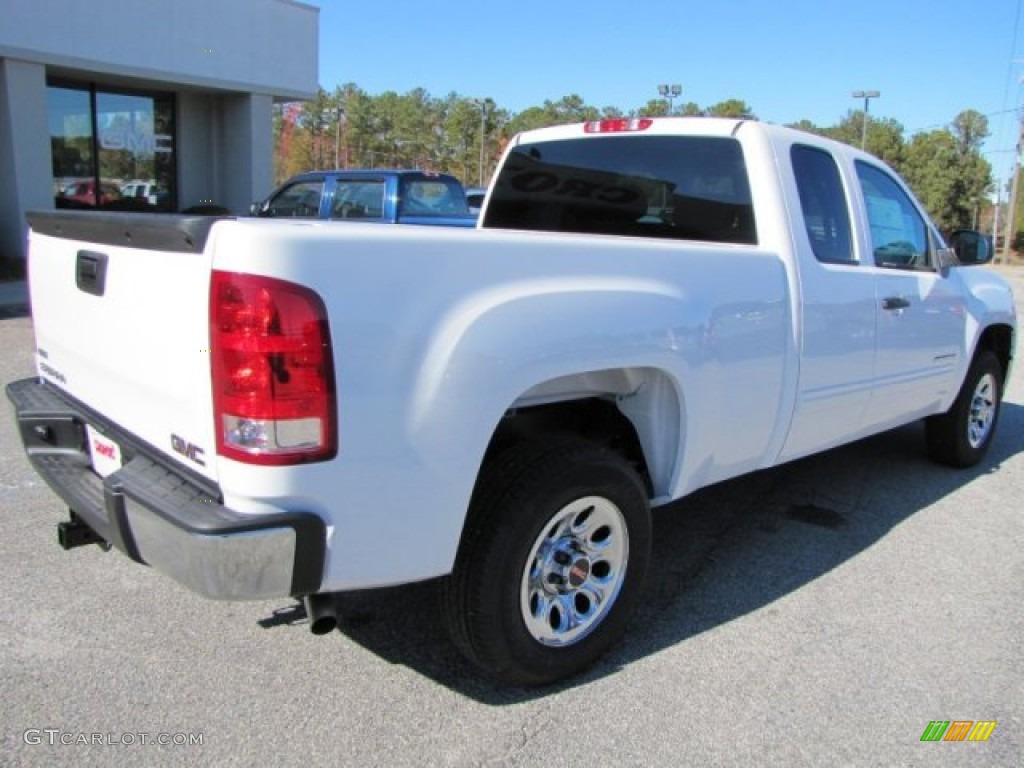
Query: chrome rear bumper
point(159, 515)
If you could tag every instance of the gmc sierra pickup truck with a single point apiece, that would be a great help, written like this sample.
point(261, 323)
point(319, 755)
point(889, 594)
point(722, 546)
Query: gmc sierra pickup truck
point(381, 196)
point(272, 408)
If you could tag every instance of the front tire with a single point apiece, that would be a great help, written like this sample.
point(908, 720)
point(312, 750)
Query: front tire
point(552, 560)
point(961, 436)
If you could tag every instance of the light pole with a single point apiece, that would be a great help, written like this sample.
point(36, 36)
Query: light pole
point(337, 137)
point(670, 92)
point(338, 114)
point(1011, 206)
point(483, 128)
point(326, 115)
point(867, 96)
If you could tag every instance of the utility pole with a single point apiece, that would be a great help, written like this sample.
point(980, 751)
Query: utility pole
point(340, 114)
point(995, 219)
point(483, 130)
point(1011, 211)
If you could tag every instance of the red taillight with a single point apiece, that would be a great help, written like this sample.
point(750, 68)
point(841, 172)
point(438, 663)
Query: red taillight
point(618, 125)
point(273, 374)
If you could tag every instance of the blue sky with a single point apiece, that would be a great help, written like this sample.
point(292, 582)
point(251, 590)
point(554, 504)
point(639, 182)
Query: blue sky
point(789, 60)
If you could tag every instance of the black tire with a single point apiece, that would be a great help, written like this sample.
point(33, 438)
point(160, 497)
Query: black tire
point(961, 436)
point(530, 507)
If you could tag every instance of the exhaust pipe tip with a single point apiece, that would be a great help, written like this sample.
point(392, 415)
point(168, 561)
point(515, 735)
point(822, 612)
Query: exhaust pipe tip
point(323, 616)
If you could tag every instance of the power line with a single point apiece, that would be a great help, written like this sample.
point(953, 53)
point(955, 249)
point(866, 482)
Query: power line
point(1010, 58)
point(947, 124)
point(1000, 134)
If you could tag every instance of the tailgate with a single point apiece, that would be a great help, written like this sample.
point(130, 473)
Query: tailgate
point(120, 306)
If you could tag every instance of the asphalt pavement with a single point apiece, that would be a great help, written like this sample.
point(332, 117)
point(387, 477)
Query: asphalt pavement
point(823, 613)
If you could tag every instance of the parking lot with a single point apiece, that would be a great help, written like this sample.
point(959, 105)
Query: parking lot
point(821, 613)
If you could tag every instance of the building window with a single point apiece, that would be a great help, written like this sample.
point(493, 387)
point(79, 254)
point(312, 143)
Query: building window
point(112, 149)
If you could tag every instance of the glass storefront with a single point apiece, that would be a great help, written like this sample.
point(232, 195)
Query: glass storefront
point(112, 149)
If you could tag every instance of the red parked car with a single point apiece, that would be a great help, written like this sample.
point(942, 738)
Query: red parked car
point(83, 193)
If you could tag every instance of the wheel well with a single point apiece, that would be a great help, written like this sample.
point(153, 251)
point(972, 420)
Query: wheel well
point(596, 419)
point(999, 339)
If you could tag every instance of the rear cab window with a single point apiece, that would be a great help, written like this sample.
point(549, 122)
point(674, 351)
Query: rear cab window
point(678, 187)
point(431, 197)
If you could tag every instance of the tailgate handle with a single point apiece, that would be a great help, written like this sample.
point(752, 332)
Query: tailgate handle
point(91, 272)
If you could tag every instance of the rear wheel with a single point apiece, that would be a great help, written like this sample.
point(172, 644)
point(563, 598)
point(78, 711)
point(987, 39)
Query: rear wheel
point(552, 560)
point(961, 436)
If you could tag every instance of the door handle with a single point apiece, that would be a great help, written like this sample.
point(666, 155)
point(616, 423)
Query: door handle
point(895, 302)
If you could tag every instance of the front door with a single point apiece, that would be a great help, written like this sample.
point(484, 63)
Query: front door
point(921, 316)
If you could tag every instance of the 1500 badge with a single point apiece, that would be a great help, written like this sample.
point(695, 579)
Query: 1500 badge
point(47, 369)
point(190, 451)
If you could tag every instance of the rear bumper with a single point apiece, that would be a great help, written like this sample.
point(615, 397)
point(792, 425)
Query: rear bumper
point(159, 515)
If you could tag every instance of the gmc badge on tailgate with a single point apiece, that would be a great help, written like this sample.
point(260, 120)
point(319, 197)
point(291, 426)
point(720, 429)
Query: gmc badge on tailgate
point(190, 451)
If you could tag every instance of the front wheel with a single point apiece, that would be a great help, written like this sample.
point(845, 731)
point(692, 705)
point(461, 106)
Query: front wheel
point(552, 560)
point(961, 436)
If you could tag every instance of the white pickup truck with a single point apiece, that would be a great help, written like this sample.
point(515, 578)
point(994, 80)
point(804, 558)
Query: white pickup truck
point(263, 409)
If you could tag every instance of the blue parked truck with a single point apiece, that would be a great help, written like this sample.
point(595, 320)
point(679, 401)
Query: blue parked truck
point(386, 196)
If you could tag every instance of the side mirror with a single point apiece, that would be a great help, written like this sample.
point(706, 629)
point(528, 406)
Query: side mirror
point(971, 247)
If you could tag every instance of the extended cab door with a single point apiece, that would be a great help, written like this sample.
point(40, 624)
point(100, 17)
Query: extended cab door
point(921, 315)
point(837, 306)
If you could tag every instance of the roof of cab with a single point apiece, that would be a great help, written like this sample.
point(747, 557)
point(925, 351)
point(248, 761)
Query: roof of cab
point(357, 172)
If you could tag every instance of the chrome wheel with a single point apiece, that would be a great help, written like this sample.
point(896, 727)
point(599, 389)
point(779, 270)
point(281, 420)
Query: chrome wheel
point(983, 410)
point(574, 571)
point(540, 588)
point(961, 436)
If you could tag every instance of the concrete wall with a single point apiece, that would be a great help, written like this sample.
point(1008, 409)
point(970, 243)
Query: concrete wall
point(259, 46)
point(226, 61)
point(247, 136)
point(25, 167)
point(198, 163)
point(224, 149)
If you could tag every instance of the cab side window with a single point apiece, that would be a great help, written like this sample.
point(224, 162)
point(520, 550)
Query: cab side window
point(823, 203)
point(358, 200)
point(899, 234)
point(300, 200)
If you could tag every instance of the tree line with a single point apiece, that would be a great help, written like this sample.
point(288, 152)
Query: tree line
point(350, 128)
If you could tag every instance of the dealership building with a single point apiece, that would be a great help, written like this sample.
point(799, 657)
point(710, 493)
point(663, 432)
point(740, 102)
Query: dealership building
point(144, 105)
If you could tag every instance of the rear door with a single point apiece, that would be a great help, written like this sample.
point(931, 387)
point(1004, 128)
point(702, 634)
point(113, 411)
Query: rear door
point(360, 198)
point(837, 299)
